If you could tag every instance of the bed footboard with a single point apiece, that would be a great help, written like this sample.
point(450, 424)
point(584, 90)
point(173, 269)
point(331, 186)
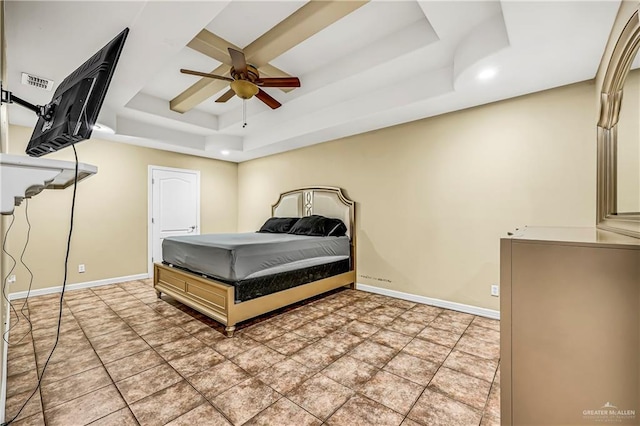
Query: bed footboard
point(217, 300)
point(210, 297)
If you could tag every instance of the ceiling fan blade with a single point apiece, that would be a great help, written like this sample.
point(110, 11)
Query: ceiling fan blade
point(206, 74)
point(226, 96)
point(238, 61)
point(267, 99)
point(279, 82)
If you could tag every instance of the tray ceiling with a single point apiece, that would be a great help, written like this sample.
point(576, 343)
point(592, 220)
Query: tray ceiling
point(362, 65)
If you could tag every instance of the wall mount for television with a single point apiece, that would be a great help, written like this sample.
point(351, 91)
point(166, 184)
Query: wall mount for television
point(44, 111)
point(23, 177)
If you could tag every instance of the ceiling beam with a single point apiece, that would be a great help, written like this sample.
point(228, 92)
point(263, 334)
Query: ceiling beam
point(299, 26)
point(216, 47)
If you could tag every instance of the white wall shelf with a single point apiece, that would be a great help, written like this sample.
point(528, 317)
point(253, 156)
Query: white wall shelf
point(24, 177)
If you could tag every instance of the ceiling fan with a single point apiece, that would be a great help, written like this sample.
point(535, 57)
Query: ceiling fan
point(246, 81)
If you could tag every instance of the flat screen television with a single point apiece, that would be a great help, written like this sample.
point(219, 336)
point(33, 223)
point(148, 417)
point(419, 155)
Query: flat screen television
point(70, 116)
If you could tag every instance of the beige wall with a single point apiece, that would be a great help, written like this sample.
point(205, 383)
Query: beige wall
point(110, 231)
point(628, 145)
point(434, 196)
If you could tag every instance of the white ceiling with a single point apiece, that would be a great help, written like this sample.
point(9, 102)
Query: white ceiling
point(386, 63)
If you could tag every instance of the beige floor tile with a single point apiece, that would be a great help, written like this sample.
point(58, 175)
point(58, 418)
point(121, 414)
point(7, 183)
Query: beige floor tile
point(434, 409)
point(445, 323)
point(218, 379)
point(22, 382)
point(20, 350)
point(72, 387)
point(472, 365)
point(209, 336)
point(456, 316)
point(461, 387)
point(245, 400)
point(197, 361)
point(167, 404)
point(122, 350)
point(111, 339)
point(361, 329)
point(332, 321)
point(257, 359)
point(441, 337)
point(148, 382)
point(373, 353)
point(481, 348)
point(193, 326)
point(487, 323)
point(122, 417)
point(283, 412)
point(179, 348)
point(483, 333)
point(285, 376)
point(21, 364)
point(203, 414)
point(316, 356)
point(350, 372)
point(133, 364)
point(165, 336)
point(404, 392)
point(427, 350)
point(288, 343)
point(348, 335)
point(362, 411)
point(76, 364)
point(418, 317)
point(341, 341)
point(490, 421)
point(14, 404)
point(86, 408)
point(417, 370)
point(493, 404)
point(263, 332)
point(231, 347)
point(321, 396)
point(313, 330)
point(404, 326)
point(391, 338)
point(34, 420)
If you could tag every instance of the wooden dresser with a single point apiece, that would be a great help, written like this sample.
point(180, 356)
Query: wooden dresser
point(570, 327)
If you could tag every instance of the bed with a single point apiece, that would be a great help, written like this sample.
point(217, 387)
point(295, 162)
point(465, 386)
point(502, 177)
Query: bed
point(235, 277)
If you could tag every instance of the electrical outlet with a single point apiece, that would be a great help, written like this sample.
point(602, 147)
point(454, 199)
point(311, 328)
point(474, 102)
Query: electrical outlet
point(495, 290)
point(81, 268)
point(12, 279)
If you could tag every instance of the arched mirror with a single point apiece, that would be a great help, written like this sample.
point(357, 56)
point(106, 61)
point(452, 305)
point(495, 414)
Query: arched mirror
point(619, 136)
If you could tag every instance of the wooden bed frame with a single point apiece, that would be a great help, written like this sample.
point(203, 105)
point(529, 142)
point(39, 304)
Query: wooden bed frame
point(217, 300)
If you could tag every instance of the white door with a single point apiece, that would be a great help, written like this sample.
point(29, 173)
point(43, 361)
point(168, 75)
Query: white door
point(175, 207)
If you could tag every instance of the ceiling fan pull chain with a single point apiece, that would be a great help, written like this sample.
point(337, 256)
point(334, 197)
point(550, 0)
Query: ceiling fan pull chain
point(244, 113)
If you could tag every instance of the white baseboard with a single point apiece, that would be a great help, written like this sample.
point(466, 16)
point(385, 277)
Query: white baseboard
point(469, 309)
point(5, 352)
point(77, 286)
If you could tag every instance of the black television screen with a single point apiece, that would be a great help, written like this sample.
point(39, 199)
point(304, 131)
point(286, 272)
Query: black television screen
point(76, 102)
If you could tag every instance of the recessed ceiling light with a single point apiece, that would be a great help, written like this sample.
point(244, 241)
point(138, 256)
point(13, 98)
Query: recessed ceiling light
point(487, 73)
point(103, 128)
point(224, 152)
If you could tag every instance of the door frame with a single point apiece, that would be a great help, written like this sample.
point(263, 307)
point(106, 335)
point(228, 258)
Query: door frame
point(151, 169)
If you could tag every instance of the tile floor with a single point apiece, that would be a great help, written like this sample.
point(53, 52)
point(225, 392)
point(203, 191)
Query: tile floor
point(349, 358)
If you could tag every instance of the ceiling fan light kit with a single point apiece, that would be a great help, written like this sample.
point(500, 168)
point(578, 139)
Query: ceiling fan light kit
point(244, 89)
point(246, 82)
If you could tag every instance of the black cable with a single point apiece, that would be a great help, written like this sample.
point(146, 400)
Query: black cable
point(64, 285)
point(6, 278)
point(27, 316)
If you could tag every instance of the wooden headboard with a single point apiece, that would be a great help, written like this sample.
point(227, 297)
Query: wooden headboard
point(321, 200)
